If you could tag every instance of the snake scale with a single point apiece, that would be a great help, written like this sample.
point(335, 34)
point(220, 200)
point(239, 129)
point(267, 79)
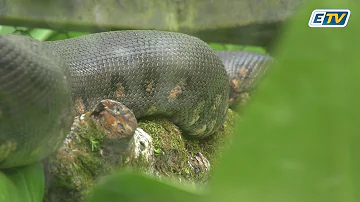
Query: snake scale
point(151, 72)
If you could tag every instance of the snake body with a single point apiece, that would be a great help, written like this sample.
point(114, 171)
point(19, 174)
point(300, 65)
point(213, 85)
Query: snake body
point(153, 73)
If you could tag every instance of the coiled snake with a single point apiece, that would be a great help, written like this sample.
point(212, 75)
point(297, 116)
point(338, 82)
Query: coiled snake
point(151, 72)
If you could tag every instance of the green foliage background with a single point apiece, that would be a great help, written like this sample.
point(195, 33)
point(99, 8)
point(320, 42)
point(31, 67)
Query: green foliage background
point(297, 142)
point(51, 35)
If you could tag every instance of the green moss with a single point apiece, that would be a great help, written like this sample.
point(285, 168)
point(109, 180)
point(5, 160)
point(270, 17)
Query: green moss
point(171, 155)
point(140, 164)
point(172, 150)
point(83, 159)
point(73, 168)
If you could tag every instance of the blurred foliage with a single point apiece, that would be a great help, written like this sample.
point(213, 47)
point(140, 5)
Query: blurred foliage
point(297, 141)
point(226, 21)
point(51, 35)
point(25, 184)
point(141, 188)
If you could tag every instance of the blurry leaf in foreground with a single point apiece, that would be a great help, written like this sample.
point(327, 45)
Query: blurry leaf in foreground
point(132, 187)
point(300, 136)
point(25, 184)
point(8, 191)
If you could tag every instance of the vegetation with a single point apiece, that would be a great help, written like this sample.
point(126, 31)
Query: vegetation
point(297, 141)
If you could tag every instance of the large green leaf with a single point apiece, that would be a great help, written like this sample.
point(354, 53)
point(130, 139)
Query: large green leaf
point(8, 190)
point(298, 141)
point(132, 187)
point(25, 184)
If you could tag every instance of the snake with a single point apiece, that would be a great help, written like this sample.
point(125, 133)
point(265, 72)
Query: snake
point(153, 73)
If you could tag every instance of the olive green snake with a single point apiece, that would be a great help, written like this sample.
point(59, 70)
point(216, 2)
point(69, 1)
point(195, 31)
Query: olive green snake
point(153, 73)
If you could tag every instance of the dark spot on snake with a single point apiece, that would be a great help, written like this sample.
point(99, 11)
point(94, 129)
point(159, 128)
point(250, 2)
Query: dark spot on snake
point(177, 90)
point(79, 105)
point(149, 86)
point(83, 95)
point(234, 84)
point(118, 87)
point(153, 73)
point(242, 72)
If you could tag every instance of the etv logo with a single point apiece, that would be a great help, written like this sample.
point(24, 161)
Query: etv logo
point(329, 18)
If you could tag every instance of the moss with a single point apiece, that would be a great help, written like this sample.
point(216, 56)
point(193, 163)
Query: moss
point(139, 164)
point(172, 150)
point(73, 168)
point(84, 157)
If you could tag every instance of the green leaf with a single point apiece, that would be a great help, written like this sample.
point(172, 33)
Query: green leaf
point(25, 184)
point(67, 35)
point(132, 187)
point(41, 34)
point(6, 29)
point(219, 46)
point(8, 190)
point(300, 136)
